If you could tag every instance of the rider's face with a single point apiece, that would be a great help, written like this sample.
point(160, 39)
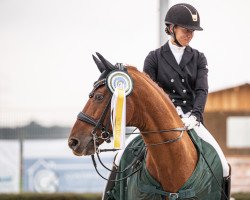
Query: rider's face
point(183, 35)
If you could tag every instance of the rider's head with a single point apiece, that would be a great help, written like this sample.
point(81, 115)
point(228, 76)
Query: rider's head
point(181, 21)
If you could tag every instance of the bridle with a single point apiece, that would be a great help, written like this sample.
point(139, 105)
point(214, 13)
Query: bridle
point(105, 135)
point(98, 124)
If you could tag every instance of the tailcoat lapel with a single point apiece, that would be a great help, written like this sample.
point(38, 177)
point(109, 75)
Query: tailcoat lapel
point(170, 59)
point(187, 56)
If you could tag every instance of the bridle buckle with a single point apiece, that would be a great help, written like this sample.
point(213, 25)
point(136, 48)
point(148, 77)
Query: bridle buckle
point(173, 196)
point(105, 135)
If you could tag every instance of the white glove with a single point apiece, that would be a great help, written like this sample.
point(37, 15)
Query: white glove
point(190, 122)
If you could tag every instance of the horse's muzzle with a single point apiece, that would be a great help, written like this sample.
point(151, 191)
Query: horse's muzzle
point(73, 143)
point(79, 147)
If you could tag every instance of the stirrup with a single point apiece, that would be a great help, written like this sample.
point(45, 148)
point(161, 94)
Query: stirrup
point(226, 186)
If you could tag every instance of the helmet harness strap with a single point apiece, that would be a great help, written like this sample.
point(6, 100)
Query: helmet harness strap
point(172, 32)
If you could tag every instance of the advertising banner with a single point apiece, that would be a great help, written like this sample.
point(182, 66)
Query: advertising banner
point(50, 166)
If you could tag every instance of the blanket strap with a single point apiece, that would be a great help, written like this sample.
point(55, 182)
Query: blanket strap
point(182, 194)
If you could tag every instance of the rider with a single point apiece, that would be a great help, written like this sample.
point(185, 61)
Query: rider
point(182, 73)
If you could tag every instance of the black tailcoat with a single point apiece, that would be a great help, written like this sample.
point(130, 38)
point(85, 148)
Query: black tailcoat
point(186, 83)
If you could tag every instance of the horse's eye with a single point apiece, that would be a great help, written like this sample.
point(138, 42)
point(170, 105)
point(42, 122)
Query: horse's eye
point(99, 97)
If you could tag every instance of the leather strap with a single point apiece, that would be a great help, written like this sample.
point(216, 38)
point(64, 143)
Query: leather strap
point(182, 194)
point(85, 118)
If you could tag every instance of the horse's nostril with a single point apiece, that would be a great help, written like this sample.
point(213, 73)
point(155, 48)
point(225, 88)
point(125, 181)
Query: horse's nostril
point(74, 143)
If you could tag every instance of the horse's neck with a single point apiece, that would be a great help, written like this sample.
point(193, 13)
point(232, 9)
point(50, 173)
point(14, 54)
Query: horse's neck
point(173, 163)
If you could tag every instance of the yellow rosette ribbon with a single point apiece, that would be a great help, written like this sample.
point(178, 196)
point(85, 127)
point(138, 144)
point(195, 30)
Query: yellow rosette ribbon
point(118, 117)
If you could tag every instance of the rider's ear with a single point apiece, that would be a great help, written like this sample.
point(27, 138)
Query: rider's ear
point(99, 64)
point(171, 29)
point(106, 63)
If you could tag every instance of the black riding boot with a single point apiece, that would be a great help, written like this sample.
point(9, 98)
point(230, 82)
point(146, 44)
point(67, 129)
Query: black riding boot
point(110, 184)
point(226, 186)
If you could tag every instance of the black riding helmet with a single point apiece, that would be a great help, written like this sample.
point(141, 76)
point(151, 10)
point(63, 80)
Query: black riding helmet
point(183, 15)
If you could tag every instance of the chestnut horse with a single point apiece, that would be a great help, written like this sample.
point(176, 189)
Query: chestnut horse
point(149, 108)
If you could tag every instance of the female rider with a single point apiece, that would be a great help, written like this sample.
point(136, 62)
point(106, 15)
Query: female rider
point(182, 73)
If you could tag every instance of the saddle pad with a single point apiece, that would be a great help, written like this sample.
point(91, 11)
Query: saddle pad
point(142, 186)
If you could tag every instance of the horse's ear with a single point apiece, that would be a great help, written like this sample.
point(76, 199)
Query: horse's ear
point(105, 62)
point(99, 64)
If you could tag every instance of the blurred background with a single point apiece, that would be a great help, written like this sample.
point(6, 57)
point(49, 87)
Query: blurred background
point(46, 73)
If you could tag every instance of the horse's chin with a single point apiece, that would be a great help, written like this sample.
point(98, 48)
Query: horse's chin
point(84, 152)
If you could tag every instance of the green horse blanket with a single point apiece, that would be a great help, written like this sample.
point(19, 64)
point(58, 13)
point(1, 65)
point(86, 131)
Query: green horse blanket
point(203, 184)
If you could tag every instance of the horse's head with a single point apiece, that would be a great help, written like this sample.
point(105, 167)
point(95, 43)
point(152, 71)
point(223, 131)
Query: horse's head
point(92, 126)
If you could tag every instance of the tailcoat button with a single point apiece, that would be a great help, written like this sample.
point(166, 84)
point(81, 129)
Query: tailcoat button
point(184, 102)
point(182, 80)
point(172, 80)
point(184, 91)
point(173, 91)
point(173, 100)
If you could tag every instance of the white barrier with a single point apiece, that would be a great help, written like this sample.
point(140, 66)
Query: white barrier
point(9, 166)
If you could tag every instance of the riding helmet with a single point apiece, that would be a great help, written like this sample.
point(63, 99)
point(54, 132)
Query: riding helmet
point(183, 15)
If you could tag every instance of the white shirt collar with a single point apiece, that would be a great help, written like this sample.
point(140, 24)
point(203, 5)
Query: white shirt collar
point(175, 48)
point(177, 51)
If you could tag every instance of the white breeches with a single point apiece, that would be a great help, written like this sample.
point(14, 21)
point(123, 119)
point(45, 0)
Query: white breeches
point(204, 134)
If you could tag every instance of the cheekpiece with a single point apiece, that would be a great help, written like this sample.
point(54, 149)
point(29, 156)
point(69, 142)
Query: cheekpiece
point(121, 79)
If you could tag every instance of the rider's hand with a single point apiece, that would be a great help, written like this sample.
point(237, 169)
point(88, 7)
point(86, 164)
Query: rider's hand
point(190, 122)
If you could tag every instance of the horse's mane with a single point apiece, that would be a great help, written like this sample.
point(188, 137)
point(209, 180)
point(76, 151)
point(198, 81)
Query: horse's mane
point(159, 96)
point(147, 78)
